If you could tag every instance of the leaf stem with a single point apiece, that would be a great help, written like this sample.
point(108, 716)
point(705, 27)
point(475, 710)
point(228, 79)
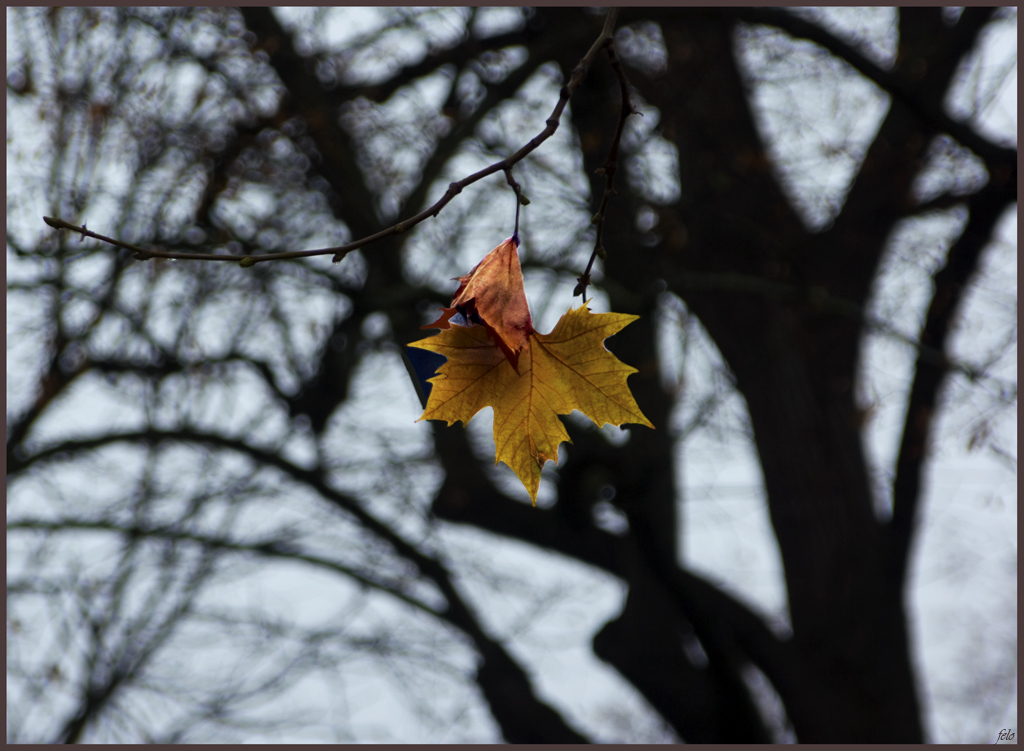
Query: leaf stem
point(521, 200)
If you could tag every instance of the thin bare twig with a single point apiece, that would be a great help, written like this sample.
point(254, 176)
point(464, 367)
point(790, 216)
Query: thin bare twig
point(611, 165)
point(552, 123)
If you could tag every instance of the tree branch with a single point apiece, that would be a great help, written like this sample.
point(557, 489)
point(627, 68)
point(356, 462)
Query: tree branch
point(522, 716)
point(609, 168)
point(307, 99)
point(446, 147)
point(458, 56)
point(951, 282)
point(267, 549)
point(339, 252)
point(819, 297)
point(929, 111)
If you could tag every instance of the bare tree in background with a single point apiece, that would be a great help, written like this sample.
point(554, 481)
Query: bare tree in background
point(192, 443)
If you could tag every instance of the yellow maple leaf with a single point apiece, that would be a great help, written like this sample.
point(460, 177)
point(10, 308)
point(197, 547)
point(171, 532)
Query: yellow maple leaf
point(558, 372)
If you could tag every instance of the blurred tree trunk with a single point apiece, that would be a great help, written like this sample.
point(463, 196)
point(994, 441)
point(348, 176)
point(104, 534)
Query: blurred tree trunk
point(794, 364)
point(846, 674)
